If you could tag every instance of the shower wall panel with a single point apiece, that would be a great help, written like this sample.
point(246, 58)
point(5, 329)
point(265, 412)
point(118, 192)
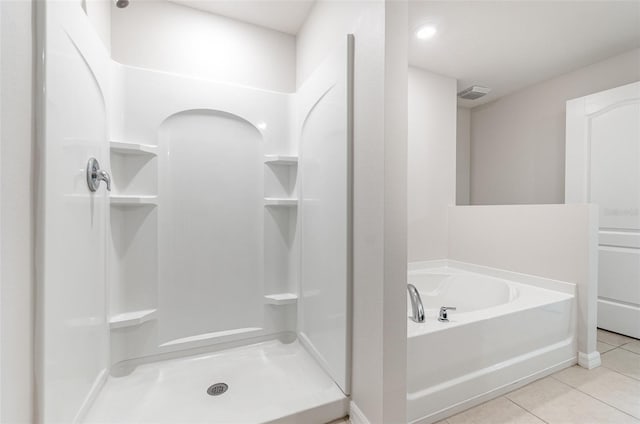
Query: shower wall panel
point(207, 143)
point(72, 333)
point(324, 127)
point(211, 232)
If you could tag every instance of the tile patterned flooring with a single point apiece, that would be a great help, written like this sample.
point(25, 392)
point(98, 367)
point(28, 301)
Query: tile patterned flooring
point(609, 394)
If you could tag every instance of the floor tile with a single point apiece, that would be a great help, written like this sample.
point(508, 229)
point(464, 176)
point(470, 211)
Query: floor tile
point(558, 403)
point(340, 421)
point(603, 347)
point(623, 361)
point(633, 346)
point(613, 338)
point(611, 387)
point(500, 410)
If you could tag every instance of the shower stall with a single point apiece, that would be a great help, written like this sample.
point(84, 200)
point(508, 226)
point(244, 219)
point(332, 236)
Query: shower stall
point(211, 281)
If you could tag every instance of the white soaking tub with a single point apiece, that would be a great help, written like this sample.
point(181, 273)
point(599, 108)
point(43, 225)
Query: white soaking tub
point(508, 329)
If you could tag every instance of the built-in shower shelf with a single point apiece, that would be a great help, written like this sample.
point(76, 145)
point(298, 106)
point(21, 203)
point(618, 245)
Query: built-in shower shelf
point(133, 148)
point(272, 201)
point(131, 319)
point(280, 160)
point(280, 299)
point(133, 200)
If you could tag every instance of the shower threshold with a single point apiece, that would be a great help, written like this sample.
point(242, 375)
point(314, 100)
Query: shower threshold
point(268, 382)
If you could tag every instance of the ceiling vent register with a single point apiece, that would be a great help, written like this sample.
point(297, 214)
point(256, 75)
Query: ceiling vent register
point(473, 92)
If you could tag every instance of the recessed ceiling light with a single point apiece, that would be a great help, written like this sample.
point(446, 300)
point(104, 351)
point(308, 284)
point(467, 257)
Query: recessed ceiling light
point(426, 32)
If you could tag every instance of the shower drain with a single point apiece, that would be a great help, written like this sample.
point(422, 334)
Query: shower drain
point(217, 389)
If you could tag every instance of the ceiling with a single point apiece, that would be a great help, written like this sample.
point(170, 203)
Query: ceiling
point(508, 45)
point(504, 45)
point(281, 15)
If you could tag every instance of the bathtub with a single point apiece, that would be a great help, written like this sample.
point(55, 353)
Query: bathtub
point(508, 329)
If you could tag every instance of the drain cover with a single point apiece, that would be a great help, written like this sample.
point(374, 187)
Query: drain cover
point(217, 389)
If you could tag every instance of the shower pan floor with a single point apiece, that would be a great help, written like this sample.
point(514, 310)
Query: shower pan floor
point(267, 382)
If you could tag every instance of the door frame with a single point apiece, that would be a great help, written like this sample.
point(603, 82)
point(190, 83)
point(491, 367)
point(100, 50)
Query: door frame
point(577, 160)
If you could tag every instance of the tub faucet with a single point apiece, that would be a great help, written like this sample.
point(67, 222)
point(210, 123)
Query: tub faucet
point(443, 317)
point(417, 310)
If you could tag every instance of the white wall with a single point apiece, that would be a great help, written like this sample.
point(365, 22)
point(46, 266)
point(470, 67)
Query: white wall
point(431, 164)
point(463, 156)
point(99, 13)
point(394, 382)
point(518, 141)
point(168, 37)
point(552, 241)
point(16, 223)
point(379, 299)
point(323, 29)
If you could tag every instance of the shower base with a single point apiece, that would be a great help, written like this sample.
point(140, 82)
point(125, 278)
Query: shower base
point(268, 382)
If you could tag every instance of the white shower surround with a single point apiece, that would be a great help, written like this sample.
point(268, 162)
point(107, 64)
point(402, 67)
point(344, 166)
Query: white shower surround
point(510, 330)
point(165, 111)
point(137, 250)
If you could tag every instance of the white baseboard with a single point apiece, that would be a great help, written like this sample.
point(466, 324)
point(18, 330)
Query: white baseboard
point(356, 416)
point(619, 317)
point(589, 360)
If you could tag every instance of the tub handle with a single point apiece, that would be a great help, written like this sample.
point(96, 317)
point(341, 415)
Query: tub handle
point(443, 317)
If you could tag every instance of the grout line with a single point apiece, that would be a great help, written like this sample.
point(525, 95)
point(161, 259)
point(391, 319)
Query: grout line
point(623, 347)
point(631, 339)
point(605, 403)
point(608, 344)
point(619, 372)
point(525, 409)
point(595, 398)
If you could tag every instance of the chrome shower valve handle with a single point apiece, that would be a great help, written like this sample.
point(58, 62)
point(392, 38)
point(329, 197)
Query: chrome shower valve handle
point(95, 175)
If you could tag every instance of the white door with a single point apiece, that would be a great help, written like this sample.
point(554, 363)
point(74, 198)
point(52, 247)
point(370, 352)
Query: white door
point(603, 167)
point(72, 331)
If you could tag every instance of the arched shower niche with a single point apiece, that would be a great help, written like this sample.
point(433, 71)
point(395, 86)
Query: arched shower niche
point(214, 228)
